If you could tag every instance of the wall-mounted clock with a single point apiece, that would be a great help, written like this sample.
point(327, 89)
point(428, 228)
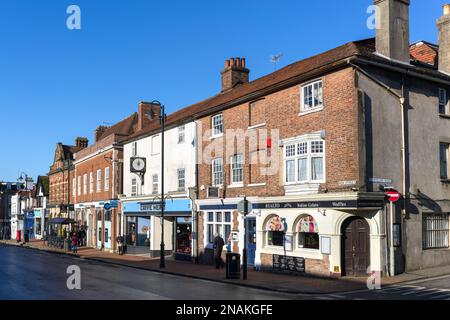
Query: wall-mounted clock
point(138, 165)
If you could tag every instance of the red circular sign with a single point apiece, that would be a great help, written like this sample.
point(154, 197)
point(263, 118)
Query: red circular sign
point(393, 196)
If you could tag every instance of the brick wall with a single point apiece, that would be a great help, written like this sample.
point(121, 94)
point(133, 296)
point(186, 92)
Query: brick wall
point(281, 111)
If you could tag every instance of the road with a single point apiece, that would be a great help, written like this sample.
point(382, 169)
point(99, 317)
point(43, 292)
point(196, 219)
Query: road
point(27, 274)
point(36, 275)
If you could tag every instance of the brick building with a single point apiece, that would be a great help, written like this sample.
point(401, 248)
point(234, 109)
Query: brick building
point(60, 175)
point(97, 181)
point(316, 145)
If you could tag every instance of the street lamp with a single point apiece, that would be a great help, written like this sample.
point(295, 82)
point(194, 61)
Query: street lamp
point(23, 176)
point(162, 120)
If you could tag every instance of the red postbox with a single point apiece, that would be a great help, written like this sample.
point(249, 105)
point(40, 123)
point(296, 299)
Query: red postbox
point(18, 235)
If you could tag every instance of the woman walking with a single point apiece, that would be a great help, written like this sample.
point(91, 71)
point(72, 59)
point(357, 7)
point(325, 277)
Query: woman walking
point(74, 243)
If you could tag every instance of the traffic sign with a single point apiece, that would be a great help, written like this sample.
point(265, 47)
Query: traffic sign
point(393, 196)
point(241, 207)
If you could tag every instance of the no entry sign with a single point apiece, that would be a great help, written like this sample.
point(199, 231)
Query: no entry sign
point(393, 195)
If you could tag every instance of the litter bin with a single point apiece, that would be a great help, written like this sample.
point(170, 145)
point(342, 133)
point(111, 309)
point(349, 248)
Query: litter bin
point(233, 265)
point(67, 244)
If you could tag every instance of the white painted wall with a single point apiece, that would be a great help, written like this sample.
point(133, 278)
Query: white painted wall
point(176, 156)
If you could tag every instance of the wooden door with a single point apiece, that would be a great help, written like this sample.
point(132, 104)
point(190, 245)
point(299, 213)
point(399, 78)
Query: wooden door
point(355, 247)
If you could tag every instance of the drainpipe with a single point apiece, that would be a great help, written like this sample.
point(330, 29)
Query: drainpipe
point(401, 98)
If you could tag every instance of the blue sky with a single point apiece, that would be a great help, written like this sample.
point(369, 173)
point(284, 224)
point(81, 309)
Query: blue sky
point(57, 84)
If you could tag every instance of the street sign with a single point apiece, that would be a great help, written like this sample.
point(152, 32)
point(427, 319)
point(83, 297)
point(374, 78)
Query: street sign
point(110, 205)
point(241, 207)
point(393, 196)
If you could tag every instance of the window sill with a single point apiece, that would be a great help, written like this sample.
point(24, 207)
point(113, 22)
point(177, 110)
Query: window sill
point(216, 136)
point(256, 126)
point(445, 180)
point(445, 116)
point(303, 113)
point(235, 185)
point(257, 184)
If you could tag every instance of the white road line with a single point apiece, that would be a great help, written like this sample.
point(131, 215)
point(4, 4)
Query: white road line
point(432, 291)
point(417, 290)
point(337, 296)
point(447, 294)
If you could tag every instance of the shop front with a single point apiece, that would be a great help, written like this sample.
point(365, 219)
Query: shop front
point(142, 227)
point(325, 235)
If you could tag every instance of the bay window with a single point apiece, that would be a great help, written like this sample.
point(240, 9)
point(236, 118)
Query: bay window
point(305, 161)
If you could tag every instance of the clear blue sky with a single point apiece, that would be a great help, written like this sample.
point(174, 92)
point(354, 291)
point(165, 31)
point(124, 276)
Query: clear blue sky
point(57, 84)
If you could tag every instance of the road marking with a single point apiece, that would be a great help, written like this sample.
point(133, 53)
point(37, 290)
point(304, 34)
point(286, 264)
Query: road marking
point(447, 294)
point(407, 293)
point(432, 291)
point(324, 298)
point(337, 296)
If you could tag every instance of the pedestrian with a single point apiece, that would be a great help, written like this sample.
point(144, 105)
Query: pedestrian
point(74, 243)
point(120, 240)
point(218, 247)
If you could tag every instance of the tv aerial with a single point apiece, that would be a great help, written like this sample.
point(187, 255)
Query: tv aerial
point(274, 59)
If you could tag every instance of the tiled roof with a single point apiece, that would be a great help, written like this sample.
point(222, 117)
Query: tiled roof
point(363, 49)
point(124, 127)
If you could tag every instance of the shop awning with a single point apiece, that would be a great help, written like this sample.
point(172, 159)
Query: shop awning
point(61, 221)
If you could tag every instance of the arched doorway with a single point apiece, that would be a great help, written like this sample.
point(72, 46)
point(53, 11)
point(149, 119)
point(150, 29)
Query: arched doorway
point(355, 248)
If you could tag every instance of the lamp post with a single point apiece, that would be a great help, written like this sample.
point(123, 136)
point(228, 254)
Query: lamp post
point(21, 178)
point(162, 119)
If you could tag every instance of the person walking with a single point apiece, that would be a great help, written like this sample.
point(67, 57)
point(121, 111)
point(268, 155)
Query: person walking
point(74, 243)
point(120, 241)
point(218, 248)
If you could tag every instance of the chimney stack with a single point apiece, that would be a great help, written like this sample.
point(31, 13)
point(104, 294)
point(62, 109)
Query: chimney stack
point(443, 25)
point(234, 73)
point(99, 132)
point(81, 142)
point(147, 112)
point(392, 36)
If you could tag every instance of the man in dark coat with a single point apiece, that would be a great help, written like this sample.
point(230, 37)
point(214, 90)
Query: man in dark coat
point(218, 247)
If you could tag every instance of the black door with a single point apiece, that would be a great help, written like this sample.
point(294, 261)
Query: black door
point(355, 247)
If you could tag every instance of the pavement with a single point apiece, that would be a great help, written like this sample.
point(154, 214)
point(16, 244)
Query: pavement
point(256, 279)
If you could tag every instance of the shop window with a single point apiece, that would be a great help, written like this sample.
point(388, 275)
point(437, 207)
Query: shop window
point(275, 232)
point(308, 233)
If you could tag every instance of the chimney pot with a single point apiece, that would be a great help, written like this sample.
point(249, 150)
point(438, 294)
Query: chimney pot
point(234, 73)
point(446, 9)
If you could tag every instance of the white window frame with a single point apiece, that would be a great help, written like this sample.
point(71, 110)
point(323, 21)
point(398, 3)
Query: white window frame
point(309, 139)
point(213, 172)
point(307, 109)
point(134, 187)
point(99, 180)
point(181, 178)
point(91, 182)
point(435, 231)
point(79, 185)
point(107, 173)
point(215, 126)
point(155, 151)
point(181, 134)
point(233, 168)
point(216, 223)
point(85, 191)
point(443, 101)
point(155, 184)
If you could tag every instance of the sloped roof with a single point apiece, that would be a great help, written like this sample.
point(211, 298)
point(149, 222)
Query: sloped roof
point(124, 127)
point(363, 48)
